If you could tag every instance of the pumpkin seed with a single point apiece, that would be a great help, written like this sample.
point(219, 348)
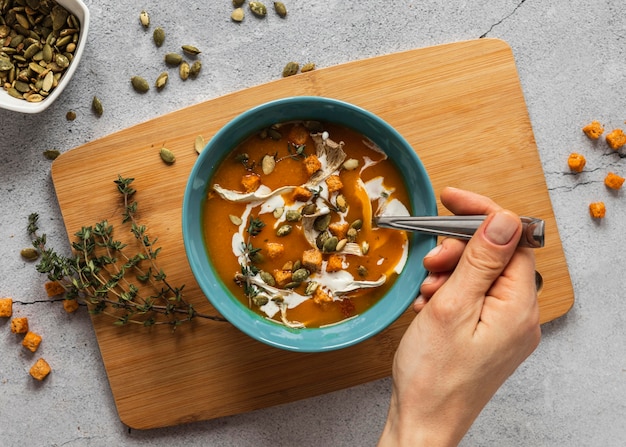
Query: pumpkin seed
point(194, 71)
point(290, 69)
point(321, 239)
point(167, 156)
point(307, 67)
point(310, 288)
point(321, 222)
point(274, 134)
point(237, 15)
point(357, 224)
point(309, 209)
point(191, 50)
point(173, 59)
point(199, 144)
point(300, 275)
point(235, 220)
point(70, 116)
point(280, 9)
point(260, 300)
point(278, 212)
point(350, 164)
point(365, 247)
point(293, 216)
point(341, 244)
point(292, 285)
point(144, 18)
point(362, 270)
point(330, 245)
point(267, 278)
point(140, 84)
point(48, 81)
point(258, 9)
point(342, 203)
point(284, 230)
point(96, 106)
point(268, 164)
point(183, 70)
point(161, 80)
point(238, 3)
point(30, 253)
point(158, 35)
point(51, 154)
point(351, 234)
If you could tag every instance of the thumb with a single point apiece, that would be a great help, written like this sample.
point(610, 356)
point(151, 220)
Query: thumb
point(483, 260)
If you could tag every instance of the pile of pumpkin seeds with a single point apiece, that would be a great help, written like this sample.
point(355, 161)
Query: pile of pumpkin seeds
point(186, 69)
point(258, 9)
point(38, 40)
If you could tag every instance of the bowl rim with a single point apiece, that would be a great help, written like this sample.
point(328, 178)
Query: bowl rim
point(327, 338)
point(7, 102)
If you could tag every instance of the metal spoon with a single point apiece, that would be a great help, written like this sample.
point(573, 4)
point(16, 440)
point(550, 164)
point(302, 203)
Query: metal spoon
point(461, 227)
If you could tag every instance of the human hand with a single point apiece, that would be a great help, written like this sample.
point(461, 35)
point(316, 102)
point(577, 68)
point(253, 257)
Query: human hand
point(478, 320)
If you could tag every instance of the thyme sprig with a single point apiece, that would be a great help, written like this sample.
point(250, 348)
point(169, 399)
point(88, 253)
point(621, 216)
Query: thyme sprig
point(110, 277)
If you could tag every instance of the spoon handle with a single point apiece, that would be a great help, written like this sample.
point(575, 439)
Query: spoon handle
point(461, 227)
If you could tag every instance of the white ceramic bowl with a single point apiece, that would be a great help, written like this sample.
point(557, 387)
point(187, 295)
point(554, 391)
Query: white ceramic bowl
point(78, 8)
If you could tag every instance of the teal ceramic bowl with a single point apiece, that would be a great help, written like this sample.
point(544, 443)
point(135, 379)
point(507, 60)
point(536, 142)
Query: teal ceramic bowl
point(347, 333)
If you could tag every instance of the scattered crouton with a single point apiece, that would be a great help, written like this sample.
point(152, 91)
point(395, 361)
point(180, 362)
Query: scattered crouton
point(597, 210)
point(19, 325)
point(282, 277)
point(70, 306)
point(335, 263)
point(312, 164)
point(593, 130)
point(334, 183)
point(312, 260)
point(54, 288)
point(339, 229)
point(321, 296)
point(301, 194)
point(6, 307)
point(298, 135)
point(250, 182)
point(616, 139)
point(31, 341)
point(40, 369)
point(274, 249)
point(576, 162)
point(613, 181)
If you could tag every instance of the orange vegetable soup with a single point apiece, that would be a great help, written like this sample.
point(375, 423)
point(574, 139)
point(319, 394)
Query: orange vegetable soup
point(288, 223)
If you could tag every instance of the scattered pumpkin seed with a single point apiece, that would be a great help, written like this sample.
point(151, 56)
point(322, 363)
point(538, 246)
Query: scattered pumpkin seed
point(29, 253)
point(331, 244)
point(167, 156)
point(267, 278)
point(158, 35)
point(144, 18)
point(342, 203)
point(310, 288)
point(284, 230)
point(351, 234)
point(290, 69)
point(280, 9)
point(310, 66)
point(51, 154)
point(237, 15)
point(293, 216)
point(258, 9)
point(260, 300)
point(183, 70)
point(195, 69)
point(238, 3)
point(96, 106)
point(278, 212)
point(357, 224)
point(173, 59)
point(350, 164)
point(199, 144)
point(365, 247)
point(300, 275)
point(70, 115)
point(161, 80)
point(321, 223)
point(268, 164)
point(341, 244)
point(362, 270)
point(235, 220)
point(191, 50)
point(140, 84)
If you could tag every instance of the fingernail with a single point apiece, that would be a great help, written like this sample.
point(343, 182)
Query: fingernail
point(419, 301)
point(501, 228)
point(431, 278)
point(434, 252)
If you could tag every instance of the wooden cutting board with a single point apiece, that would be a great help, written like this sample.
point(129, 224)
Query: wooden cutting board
point(461, 107)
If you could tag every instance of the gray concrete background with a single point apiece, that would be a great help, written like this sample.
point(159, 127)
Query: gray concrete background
point(571, 56)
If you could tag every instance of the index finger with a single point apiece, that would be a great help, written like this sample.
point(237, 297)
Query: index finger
point(459, 201)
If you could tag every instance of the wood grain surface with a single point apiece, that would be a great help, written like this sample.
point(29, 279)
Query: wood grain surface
point(461, 107)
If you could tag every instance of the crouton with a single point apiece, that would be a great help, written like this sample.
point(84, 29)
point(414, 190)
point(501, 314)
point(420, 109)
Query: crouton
point(613, 181)
point(298, 135)
point(31, 341)
point(593, 130)
point(301, 194)
point(19, 325)
point(576, 162)
point(312, 164)
point(335, 263)
point(334, 183)
point(6, 307)
point(54, 288)
point(597, 210)
point(312, 260)
point(250, 182)
point(40, 369)
point(70, 306)
point(282, 277)
point(616, 139)
point(321, 296)
point(274, 249)
point(339, 229)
